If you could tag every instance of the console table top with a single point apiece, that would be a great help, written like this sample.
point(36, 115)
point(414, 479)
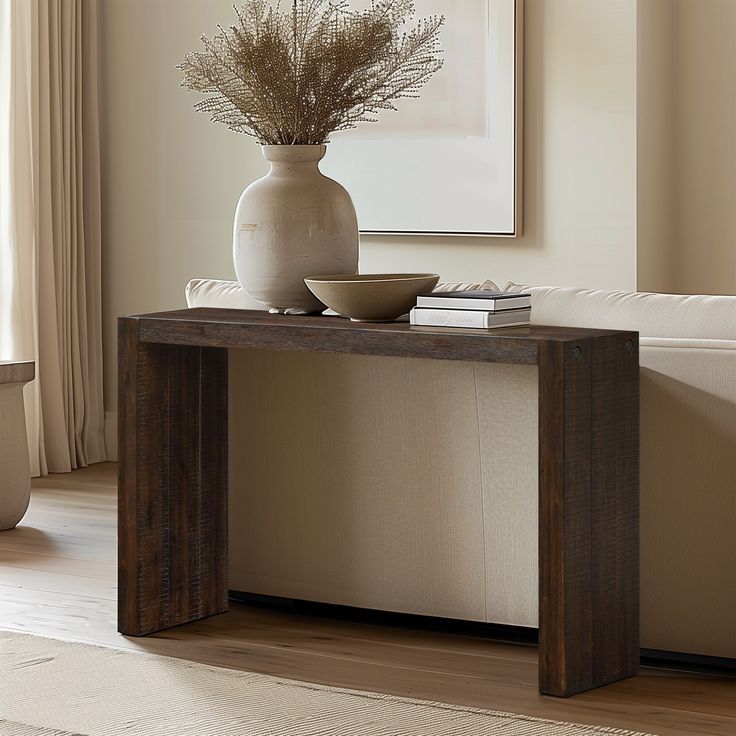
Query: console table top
point(236, 328)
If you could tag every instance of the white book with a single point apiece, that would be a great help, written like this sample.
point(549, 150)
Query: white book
point(484, 301)
point(468, 318)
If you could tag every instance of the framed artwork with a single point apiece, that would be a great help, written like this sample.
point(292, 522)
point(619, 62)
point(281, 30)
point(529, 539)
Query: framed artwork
point(448, 163)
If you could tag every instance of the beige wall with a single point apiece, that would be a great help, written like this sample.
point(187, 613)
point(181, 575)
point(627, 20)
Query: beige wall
point(630, 157)
point(580, 160)
point(705, 135)
point(686, 147)
point(171, 178)
point(655, 146)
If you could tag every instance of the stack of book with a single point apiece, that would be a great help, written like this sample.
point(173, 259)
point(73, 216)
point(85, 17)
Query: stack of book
point(479, 309)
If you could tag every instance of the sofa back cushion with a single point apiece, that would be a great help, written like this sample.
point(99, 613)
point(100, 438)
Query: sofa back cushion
point(219, 294)
point(652, 315)
point(230, 295)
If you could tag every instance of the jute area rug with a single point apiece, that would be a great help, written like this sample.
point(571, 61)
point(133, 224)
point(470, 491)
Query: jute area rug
point(55, 688)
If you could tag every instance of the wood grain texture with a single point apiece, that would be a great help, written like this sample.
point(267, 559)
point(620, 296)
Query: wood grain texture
point(235, 328)
point(615, 506)
point(172, 531)
point(588, 513)
point(173, 483)
point(57, 578)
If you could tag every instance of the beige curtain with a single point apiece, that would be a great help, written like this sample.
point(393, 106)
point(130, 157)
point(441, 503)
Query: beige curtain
point(50, 302)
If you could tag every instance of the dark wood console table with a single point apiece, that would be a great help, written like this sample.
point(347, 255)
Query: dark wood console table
point(173, 406)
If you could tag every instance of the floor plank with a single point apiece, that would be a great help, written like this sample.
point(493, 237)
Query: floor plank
point(58, 577)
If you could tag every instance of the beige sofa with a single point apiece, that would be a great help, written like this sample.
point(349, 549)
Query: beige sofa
point(411, 485)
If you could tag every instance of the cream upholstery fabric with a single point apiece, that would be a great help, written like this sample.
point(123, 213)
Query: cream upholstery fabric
point(688, 454)
point(223, 294)
point(402, 456)
point(384, 483)
point(395, 487)
point(229, 294)
point(653, 315)
point(688, 495)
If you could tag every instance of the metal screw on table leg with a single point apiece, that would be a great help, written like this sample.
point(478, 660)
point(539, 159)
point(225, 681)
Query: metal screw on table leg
point(629, 346)
point(577, 353)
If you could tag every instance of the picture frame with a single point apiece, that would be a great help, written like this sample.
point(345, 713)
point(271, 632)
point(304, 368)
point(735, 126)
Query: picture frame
point(450, 162)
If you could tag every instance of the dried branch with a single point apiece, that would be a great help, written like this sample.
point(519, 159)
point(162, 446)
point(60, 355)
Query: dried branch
point(294, 77)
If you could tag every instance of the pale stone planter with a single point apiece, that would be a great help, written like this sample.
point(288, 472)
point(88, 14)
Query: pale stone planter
point(15, 477)
point(293, 223)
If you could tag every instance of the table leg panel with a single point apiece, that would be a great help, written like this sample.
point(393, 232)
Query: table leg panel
point(173, 483)
point(615, 549)
point(588, 508)
point(213, 474)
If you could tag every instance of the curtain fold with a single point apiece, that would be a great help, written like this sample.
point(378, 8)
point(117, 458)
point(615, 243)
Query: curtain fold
point(50, 250)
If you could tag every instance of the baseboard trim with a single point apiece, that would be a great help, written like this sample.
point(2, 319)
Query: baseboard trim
point(701, 663)
point(498, 632)
point(521, 635)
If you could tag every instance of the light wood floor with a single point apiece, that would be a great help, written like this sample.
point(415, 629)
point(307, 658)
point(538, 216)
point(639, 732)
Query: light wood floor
point(58, 576)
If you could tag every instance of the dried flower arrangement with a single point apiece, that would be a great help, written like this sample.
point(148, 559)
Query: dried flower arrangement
point(294, 77)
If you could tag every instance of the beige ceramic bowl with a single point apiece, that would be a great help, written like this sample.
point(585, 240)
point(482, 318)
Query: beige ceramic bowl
point(371, 297)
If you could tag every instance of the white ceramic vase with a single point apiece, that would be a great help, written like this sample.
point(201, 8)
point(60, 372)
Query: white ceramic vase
point(293, 223)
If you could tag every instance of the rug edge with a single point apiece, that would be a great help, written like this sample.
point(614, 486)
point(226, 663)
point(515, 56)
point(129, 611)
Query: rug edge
point(366, 694)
